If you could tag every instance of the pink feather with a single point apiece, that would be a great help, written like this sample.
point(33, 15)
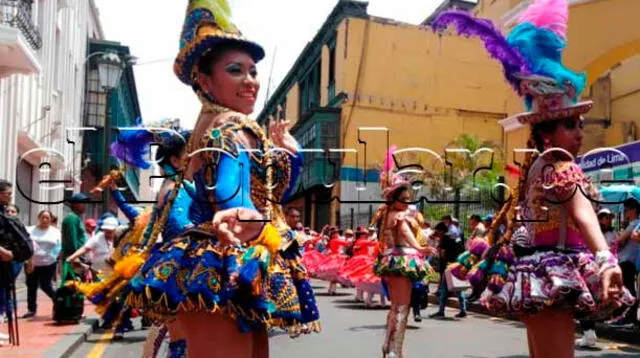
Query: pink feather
point(552, 15)
point(388, 160)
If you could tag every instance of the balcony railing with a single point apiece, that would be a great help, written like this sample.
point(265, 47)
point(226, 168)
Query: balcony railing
point(17, 13)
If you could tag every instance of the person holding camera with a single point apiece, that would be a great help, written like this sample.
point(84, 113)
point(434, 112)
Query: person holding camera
point(15, 247)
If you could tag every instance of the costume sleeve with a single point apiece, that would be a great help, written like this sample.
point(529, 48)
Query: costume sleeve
point(129, 210)
point(233, 187)
point(227, 172)
point(563, 178)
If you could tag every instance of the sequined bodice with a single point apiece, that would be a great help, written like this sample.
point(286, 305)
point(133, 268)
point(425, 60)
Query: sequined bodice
point(233, 176)
point(546, 221)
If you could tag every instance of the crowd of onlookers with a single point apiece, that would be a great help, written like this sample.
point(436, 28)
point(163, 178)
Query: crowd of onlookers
point(76, 248)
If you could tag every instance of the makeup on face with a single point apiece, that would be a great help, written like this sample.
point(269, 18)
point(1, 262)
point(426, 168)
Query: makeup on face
point(233, 82)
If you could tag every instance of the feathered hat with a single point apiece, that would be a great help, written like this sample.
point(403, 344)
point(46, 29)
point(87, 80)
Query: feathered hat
point(531, 57)
point(390, 180)
point(206, 26)
point(133, 145)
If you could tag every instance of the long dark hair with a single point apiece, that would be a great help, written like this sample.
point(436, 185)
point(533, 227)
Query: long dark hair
point(171, 146)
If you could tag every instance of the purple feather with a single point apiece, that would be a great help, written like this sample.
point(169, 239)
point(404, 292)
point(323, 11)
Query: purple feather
point(133, 147)
point(494, 41)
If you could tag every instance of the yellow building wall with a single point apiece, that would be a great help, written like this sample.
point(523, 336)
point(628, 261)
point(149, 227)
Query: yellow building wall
point(293, 105)
point(324, 76)
point(426, 88)
point(410, 64)
point(625, 101)
point(495, 9)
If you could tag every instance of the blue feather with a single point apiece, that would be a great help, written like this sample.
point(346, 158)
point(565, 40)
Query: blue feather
point(542, 49)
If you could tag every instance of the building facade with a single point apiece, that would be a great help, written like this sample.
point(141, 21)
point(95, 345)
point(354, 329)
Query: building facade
point(43, 45)
point(366, 82)
point(107, 112)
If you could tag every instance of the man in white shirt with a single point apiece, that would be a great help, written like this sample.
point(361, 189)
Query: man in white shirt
point(100, 246)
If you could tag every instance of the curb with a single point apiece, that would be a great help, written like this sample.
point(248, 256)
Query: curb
point(602, 330)
point(70, 343)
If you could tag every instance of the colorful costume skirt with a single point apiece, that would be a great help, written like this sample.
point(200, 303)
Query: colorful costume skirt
point(256, 287)
point(328, 268)
point(355, 268)
point(369, 282)
point(552, 279)
point(311, 259)
point(403, 261)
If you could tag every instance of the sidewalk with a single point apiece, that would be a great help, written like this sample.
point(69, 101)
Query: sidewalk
point(40, 336)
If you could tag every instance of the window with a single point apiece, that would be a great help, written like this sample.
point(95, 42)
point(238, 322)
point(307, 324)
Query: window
point(332, 65)
point(331, 90)
point(310, 89)
point(95, 101)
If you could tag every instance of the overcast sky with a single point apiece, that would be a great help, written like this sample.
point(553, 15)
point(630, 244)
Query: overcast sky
point(151, 28)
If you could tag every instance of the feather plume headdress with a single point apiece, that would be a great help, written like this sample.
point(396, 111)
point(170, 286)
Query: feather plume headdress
point(531, 58)
point(133, 145)
point(208, 25)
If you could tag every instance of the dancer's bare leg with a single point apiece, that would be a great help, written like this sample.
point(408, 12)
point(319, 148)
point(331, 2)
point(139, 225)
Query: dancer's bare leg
point(400, 292)
point(552, 333)
point(211, 335)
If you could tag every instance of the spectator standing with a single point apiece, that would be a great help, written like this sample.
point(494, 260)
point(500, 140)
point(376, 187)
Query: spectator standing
point(41, 269)
point(292, 217)
point(90, 226)
point(449, 249)
point(15, 248)
point(628, 256)
point(73, 234)
point(11, 210)
point(478, 230)
point(100, 246)
point(589, 337)
point(452, 230)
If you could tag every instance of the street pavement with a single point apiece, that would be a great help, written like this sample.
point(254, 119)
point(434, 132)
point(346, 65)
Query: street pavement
point(350, 330)
point(40, 336)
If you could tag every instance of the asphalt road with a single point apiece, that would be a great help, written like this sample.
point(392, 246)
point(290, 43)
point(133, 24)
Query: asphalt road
point(350, 330)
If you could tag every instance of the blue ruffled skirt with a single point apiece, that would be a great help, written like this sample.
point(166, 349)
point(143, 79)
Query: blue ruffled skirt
point(256, 288)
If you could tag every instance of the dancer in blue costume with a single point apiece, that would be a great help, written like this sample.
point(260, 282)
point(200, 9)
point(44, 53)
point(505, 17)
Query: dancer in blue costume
point(238, 272)
point(133, 147)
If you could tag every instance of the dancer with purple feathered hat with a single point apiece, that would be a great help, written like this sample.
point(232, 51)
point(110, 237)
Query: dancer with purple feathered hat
point(552, 264)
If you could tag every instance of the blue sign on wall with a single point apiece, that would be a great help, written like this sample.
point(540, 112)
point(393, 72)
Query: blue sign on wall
point(611, 158)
